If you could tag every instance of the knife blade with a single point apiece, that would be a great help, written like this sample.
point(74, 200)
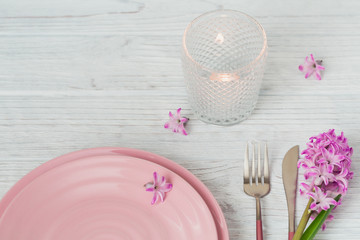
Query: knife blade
point(289, 176)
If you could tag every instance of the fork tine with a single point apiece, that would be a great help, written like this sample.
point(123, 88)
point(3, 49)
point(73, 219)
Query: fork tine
point(246, 164)
point(259, 164)
point(266, 165)
point(253, 172)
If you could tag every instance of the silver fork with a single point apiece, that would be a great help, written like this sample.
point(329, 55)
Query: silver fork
point(259, 186)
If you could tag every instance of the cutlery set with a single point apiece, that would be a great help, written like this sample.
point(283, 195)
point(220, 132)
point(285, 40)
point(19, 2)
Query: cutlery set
point(257, 182)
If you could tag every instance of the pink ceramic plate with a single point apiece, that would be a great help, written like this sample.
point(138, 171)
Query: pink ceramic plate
point(103, 198)
point(19, 187)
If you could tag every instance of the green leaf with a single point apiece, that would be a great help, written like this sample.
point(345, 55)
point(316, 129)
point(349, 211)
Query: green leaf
point(314, 227)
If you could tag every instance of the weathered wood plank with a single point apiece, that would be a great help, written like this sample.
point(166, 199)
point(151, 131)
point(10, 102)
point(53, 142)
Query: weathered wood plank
point(86, 74)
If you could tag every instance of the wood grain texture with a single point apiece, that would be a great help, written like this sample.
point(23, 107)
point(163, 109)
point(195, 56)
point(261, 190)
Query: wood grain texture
point(84, 74)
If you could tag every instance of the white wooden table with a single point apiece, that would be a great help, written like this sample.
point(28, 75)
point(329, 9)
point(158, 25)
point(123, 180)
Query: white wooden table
point(90, 73)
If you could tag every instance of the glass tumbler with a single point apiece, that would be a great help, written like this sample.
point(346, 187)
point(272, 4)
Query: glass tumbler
point(223, 59)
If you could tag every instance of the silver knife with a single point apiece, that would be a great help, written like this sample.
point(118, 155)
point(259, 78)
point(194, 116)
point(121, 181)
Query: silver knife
point(289, 176)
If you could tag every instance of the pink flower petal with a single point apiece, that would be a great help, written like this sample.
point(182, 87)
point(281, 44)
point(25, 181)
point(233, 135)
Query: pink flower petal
point(155, 178)
point(155, 198)
point(167, 187)
point(313, 206)
point(324, 206)
point(149, 185)
point(332, 202)
point(162, 181)
point(161, 195)
point(312, 195)
point(184, 120)
point(178, 113)
point(323, 227)
point(184, 132)
point(308, 74)
point(312, 58)
point(302, 192)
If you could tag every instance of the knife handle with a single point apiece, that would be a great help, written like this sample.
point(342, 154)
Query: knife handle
point(291, 235)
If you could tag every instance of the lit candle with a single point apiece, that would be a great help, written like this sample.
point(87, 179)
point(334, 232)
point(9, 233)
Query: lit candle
point(223, 77)
point(219, 38)
point(223, 59)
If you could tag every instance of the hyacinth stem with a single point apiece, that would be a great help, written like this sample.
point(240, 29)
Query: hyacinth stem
point(303, 222)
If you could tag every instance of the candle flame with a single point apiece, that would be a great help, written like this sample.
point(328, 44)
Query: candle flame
point(224, 77)
point(219, 38)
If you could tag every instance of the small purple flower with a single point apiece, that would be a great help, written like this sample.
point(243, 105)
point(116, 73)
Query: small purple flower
point(322, 175)
point(159, 187)
point(307, 188)
point(342, 180)
point(331, 157)
point(311, 66)
point(176, 122)
point(321, 200)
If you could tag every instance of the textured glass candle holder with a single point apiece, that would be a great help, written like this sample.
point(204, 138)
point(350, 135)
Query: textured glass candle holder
point(223, 58)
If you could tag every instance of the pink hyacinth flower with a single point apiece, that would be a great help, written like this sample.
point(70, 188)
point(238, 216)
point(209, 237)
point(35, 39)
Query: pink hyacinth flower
point(311, 66)
point(321, 200)
point(330, 157)
point(176, 122)
point(321, 175)
point(307, 188)
point(159, 187)
point(326, 164)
